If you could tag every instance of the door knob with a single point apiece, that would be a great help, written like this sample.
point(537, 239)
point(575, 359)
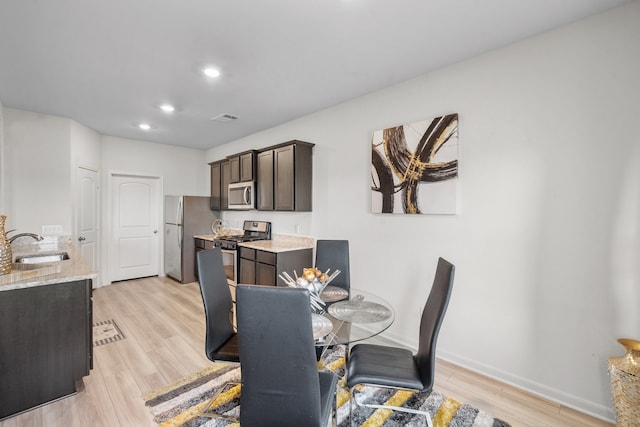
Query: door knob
point(80, 239)
point(155, 231)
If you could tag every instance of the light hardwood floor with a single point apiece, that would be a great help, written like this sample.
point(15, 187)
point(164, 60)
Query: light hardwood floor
point(163, 322)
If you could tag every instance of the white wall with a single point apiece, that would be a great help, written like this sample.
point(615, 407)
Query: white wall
point(40, 154)
point(2, 162)
point(38, 180)
point(85, 147)
point(184, 170)
point(547, 241)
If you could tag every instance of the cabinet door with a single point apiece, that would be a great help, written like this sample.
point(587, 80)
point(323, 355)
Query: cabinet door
point(246, 167)
point(247, 272)
point(216, 187)
point(234, 164)
point(265, 180)
point(283, 178)
point(265, 274)
point(225, 179)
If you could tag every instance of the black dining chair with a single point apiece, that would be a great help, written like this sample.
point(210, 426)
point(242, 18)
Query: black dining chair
point(221, 341)
point(395, 367)
point(281, 384)
point(334, 254)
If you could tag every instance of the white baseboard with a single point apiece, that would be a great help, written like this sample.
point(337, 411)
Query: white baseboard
point(574, 402)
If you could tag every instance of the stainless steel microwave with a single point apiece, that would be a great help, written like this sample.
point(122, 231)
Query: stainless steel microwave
point(242, 195)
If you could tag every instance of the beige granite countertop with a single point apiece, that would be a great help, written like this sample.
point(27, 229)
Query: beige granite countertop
point(278, 243)
point(282, 243)
point(209, 237)
point(70, 270)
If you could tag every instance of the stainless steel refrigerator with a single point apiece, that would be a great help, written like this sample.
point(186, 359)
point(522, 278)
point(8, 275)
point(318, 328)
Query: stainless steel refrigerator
point(184, 216)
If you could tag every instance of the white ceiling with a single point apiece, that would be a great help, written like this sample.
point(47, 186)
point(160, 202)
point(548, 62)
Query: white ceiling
point(108, 64)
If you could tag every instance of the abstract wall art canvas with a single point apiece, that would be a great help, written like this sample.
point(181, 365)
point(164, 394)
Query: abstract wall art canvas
point(414, 167)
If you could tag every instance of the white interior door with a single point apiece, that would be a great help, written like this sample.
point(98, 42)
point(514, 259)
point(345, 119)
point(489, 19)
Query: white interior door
point(87, 215)
point(135, 202)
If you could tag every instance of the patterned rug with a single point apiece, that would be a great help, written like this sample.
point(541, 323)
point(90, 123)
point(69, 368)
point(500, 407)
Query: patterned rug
point(179, 403)
point(105, 332)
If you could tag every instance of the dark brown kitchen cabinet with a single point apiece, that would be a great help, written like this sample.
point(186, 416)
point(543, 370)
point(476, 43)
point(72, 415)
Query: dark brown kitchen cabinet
point(216, 186)
point(265, 181)
point(220, 179)
point(242, 166)
point(201, 245)
point(258, 267)
point(285, 176)
point(225, 179)
point(46, 343)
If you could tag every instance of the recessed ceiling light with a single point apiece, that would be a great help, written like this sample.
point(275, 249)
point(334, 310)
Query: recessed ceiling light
point(167, 108)
point(211, 72)
point(144, 126)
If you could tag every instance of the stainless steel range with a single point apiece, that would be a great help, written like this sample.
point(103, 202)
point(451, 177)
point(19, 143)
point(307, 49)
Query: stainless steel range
point(252, 230)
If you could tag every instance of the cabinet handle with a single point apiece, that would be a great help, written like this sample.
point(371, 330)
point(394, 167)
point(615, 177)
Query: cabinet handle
point(80, 239)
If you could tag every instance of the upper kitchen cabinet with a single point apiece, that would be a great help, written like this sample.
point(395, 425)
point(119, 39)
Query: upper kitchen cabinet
point(216, 186)
point(264, 185)
point(220, 179)
point(242, 166)
point(284, 176)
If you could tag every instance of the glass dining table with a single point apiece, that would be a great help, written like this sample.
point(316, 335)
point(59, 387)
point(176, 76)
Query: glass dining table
point(350, 317)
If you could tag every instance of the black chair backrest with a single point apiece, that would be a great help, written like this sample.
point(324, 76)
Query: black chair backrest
point(334, 254)
point(216, 297)
point(432, 316)
point(280, 385)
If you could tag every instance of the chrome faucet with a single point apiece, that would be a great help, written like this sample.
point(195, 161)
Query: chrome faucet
point(32, 235)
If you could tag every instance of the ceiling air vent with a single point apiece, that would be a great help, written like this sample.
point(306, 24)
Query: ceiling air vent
point(224, 118)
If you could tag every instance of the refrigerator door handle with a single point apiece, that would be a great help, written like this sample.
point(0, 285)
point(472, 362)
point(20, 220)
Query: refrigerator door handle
point(179, 234)
point(179, 218)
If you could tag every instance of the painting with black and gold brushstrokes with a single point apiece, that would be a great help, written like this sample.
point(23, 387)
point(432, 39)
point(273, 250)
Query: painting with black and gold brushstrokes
point(414, 167)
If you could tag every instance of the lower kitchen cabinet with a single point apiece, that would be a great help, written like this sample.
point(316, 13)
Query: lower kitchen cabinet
point(258, 267)
point(46, 343)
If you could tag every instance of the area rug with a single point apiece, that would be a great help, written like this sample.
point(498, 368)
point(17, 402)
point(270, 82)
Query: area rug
point(178, 404)
point(105, 332)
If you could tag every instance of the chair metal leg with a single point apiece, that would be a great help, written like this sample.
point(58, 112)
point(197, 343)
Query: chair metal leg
point(335, 410)
point(352, 397)
point(205, 413)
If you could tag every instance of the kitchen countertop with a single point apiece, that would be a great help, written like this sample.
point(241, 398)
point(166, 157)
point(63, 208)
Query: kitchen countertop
point(279, 242)
point(71, 269)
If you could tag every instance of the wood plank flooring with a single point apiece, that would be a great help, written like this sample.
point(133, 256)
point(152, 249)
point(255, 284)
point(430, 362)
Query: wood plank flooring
point(163, 322)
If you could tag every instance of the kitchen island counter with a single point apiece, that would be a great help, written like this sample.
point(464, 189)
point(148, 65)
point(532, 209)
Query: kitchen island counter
point(72, 269)
point(46, 337)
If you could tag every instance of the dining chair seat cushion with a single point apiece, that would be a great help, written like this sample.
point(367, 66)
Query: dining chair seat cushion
point(227, 352)
point(385, 366)
point(328, 384)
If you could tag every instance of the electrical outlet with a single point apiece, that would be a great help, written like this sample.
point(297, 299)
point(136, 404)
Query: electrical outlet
point(52, 229)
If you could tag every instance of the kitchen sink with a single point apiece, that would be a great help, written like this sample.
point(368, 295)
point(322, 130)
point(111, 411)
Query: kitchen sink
point(42, 258)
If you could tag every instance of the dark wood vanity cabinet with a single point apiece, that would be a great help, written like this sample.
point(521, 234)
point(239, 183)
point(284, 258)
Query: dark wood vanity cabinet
point(46, 343)
point(285, 176)
point(259, 267)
